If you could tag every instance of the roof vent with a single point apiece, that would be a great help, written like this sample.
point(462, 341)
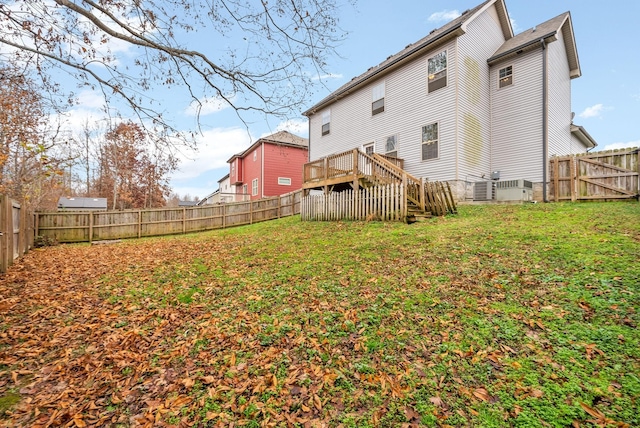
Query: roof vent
point(466, 11)
point(432, 31)
point(408, 46)
point(533, 30)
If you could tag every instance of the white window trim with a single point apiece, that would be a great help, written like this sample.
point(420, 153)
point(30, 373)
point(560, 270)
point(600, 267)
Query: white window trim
point(386, 152)
point(255, 155)
point(378, 92)
point(282, 181)
point(326, 120)
point(446, 70)
point(437, 142)
point(369, 144)
point(254, 187)
point(503, 68)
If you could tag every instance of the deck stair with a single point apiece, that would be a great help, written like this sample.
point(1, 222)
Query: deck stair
point(355, 169)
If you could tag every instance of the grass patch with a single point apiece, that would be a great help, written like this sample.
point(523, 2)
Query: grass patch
point(503, 315)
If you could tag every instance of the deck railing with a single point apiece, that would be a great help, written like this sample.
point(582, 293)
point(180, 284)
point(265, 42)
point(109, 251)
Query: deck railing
point(354, 164)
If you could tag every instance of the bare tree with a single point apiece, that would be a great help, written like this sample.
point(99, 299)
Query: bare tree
point(285, 44)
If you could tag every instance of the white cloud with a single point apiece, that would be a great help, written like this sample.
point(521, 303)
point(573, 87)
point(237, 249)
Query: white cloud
point(514, 25)
point(327, 76)
point(215, 147)
point(615, 146)
point(444, 16)
point(593, 111)
point(207, 106)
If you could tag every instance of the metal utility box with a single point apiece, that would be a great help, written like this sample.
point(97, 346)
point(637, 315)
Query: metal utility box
point(483, 191)
point(514, 190)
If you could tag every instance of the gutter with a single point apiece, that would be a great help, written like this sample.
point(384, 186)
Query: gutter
point(518, 48)
point(336, 96)
point(545, 113)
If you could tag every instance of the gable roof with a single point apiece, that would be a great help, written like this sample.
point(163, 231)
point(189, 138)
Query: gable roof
point(547, 31)
point(454, 28)
point(283, 138)
point(583, 136)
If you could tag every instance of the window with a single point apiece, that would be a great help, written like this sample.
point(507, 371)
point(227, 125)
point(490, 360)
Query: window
point(437, 70)
point(254, 187)
point(505, 76)
point(430, 142)
point(326, 122)
point(377, 106)
point(368, 148)
point(233, 170)
point(391, 147)
point(244, 189)
point(255, 155)
point(284, 181)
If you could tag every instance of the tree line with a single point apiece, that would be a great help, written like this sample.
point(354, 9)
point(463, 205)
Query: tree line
point(120, 161)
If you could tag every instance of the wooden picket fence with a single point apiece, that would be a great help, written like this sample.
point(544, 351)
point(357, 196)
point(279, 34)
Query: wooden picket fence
point(384, 202)
point(16, 231)
point(76, 226)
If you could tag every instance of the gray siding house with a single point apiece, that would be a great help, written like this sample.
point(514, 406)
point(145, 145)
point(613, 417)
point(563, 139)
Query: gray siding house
point(468, 100)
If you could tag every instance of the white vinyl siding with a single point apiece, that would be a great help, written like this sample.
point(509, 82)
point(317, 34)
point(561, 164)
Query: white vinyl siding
point(559, 98)
point(483, 37)
point(517, 120)
point(408, 107)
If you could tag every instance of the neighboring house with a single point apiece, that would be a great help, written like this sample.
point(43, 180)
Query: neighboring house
point(468, 100)
point(222, 195)
point(187, 203)
point(82, 204)
point(272, 166)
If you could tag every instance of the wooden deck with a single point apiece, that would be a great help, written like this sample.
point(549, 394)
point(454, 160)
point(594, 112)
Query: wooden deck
point(350, 168)
point(354, 170)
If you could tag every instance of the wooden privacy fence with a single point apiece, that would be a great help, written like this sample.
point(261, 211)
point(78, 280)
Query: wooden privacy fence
point(613, 174)
point(74, 226)
point(16, 231)
point(384, 202)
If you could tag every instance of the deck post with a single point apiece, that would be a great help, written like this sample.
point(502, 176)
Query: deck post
point(421, 196)
point(355, 170)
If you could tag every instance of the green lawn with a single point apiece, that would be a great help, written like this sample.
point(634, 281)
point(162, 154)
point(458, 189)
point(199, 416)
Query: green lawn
point(502, 315)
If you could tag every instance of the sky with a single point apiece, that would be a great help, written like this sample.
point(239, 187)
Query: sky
point(605, 99)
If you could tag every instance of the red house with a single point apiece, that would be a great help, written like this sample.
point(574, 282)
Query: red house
point(272, 166)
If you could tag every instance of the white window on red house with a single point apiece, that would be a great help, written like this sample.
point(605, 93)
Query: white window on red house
point(284, 181)
point(254, 187)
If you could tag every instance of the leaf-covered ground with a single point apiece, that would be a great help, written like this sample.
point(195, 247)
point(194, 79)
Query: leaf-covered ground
point(499, 316)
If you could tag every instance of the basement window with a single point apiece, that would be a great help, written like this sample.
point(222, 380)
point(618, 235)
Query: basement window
point(430, 142)
point(437, 71)
point(505, 76)
point(377, 93)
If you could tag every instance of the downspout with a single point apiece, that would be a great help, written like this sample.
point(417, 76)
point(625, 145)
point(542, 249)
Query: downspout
point(545, 142)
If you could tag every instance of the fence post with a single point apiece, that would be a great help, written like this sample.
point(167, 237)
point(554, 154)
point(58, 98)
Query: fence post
point(184, 220)
point(139, 223)
point(91, 226)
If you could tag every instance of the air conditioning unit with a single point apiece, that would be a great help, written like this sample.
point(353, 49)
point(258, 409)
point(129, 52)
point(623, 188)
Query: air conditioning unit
point(483, 191)
point(514, 190)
